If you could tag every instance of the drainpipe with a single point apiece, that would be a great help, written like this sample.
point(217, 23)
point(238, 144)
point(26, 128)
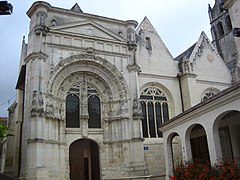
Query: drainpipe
point(180, 87)
point(20, 145)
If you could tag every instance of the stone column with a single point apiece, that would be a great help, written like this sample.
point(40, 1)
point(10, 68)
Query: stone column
point(84, 116)
point(188, 83)
point(186, 147)
point(168, 157)
point(214, 146)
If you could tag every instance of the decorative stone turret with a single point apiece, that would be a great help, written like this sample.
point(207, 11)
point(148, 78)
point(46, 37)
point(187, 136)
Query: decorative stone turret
point(131, 34)
point(41, 23)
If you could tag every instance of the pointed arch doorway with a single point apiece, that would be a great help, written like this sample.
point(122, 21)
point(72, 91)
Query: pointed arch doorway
point(84, 160)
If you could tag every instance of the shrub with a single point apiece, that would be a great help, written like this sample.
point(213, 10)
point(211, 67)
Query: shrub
point(202, 170)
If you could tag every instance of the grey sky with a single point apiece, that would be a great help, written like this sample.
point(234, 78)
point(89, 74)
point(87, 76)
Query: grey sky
point(178, 22)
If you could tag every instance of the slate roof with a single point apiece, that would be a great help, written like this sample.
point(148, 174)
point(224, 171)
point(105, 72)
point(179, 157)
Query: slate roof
point(186, 54)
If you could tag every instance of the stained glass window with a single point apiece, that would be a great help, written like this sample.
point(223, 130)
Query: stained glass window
point(94, 112)
point(155, 111)
point(72, 111)
point(73, 108)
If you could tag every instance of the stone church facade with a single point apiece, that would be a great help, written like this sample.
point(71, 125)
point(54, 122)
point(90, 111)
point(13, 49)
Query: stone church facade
point(93, 92)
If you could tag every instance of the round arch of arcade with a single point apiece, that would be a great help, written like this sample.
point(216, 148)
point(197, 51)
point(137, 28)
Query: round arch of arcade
point(208, 137)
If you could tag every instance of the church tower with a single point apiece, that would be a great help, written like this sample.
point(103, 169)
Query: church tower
point(222, 36)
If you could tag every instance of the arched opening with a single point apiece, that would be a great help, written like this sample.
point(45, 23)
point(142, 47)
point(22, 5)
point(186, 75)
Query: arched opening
point(199, 145)
point(84, 160)
point(155, 108)
point(228, 129)
point(173, 152)
point(94, 111)
point(177, 157)
point(77, 94)
point(72, 111)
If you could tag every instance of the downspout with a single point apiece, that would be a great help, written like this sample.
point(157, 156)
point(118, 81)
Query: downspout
point(180, 87)
point(20, 145)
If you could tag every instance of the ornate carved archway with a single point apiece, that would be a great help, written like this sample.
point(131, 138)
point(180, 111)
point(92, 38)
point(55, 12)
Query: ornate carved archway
point(92, 69)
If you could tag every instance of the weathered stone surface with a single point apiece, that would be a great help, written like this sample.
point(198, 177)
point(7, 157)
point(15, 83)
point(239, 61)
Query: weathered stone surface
point(73, 53)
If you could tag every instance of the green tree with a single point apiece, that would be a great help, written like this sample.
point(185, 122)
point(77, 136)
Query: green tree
point(3, 131)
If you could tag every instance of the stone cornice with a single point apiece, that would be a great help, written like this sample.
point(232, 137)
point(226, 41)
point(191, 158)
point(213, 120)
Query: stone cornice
point(85, 50)
point(134, 67)
point(41, 4)
point(37, 140)
point(35, 55)
point(62, 27)
point(124, 141)
point(157, 76)
point(188, 75)
point(116, 118)
point(213, 83)
point(94, 38)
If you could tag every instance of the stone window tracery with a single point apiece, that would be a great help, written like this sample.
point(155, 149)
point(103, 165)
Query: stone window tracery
point(155, 110)
point(72, 111)
point(75, 95)
point(209, 93)
point(94, 108)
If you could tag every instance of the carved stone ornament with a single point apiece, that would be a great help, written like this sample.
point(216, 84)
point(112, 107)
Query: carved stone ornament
point(54, 108)
point(37, 104)
point(185, 67)
point(137, 110)
point(41, 23)
point(34, 104)
point(49, 111)
point(88, 64)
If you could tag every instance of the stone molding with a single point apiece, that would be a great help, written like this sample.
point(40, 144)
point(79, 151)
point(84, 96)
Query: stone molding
point(36, 55)
point(88, 63)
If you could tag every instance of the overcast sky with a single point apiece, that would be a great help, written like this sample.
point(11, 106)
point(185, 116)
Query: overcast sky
point(178, 22)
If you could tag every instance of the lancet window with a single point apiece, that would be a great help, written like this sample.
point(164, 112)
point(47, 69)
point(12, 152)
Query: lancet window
point(74, 99)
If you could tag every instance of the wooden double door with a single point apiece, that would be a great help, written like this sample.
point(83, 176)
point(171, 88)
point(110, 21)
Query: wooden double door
point(84, 160)
point(199, 148)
